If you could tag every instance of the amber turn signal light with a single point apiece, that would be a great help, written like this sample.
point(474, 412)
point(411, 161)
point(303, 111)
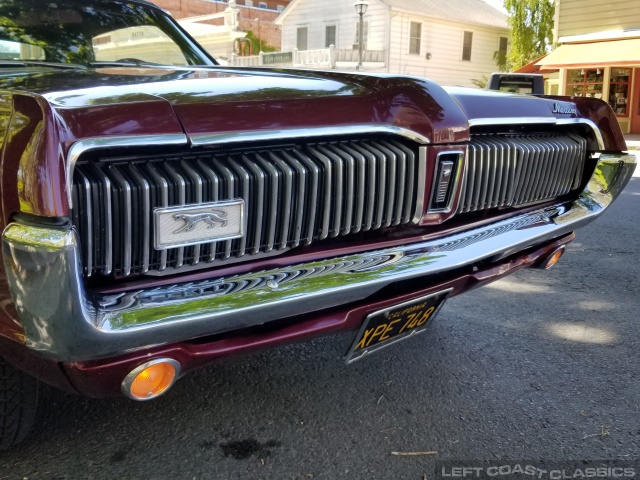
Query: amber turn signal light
point(151, 379)
point(552, 259)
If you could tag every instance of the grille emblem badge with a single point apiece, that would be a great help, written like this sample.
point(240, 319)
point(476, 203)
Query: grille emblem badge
point(445, 181)
point(185, 225)
point(192, 219)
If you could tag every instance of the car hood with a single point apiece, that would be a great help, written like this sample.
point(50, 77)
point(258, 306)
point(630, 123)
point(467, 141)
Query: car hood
point(203, 102)
point(215, 101)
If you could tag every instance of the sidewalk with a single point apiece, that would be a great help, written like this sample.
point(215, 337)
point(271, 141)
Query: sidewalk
point(633, 140)
point(633, 144)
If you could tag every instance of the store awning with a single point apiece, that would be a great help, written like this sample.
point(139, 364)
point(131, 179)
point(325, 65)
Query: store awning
point(533, 67)
point(595, 54)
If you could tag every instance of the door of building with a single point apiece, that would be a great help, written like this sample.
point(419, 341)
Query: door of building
point(635, 103)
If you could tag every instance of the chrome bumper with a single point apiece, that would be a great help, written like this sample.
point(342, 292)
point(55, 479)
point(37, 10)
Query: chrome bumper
point(64, 322)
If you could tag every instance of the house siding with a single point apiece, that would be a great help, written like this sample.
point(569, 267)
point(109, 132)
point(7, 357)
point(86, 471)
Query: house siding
point(578, 17)
point(315, 15)
point(443, 40)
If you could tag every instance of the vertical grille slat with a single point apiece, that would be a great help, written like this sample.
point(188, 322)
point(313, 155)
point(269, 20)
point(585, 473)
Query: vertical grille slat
point(299, 197)
point(338, 195)
point(161, 200)
point(124, 237)
point(391, 161)
point(197, 183)
point(144, 213)
point(212, 194)
point(408, 186)
point(512, 170)
point(82, 195)
point(229, 183)
point(381, 185)
point(312, 205)
point(401, 176)
point(102, 195)
point(258, 203)
point(349, 179)
point(244, 192)
point(326, 185)
point(180, 198)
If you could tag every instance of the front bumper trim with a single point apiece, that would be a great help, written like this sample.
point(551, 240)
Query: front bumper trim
point(64, 322)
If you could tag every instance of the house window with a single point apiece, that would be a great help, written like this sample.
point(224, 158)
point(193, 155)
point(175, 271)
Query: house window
point(280, 8)
point(467, 42)
point(248, 3)
point(502, 51)
point(415, 38)
point(365, 37)
point(619, 90)
point(262, 5)
point(586, 82)
point(301, 38)
point(329, 36)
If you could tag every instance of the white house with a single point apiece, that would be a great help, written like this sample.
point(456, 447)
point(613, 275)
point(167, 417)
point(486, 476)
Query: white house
point(449, 41)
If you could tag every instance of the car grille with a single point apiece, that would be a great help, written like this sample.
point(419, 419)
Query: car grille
point(510, 170)
point(293, 196)
point(300, 194)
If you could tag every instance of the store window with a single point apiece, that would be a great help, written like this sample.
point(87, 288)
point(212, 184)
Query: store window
point(619, 90)
point(586, 82)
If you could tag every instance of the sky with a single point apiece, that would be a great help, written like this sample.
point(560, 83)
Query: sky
point(496, 4)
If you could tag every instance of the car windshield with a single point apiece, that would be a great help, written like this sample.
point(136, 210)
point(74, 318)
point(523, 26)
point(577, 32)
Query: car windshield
point(72, 32)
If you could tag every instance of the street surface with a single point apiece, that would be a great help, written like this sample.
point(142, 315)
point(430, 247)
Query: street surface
point(542, 365)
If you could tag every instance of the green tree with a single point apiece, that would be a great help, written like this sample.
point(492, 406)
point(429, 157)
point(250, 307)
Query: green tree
point(256, 43)
point(531, 23)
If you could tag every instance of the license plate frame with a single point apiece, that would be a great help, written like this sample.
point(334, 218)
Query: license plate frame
point(393, 324)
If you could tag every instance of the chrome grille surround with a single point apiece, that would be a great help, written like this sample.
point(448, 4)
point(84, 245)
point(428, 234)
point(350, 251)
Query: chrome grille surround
point(295, 195)
point(513, 170)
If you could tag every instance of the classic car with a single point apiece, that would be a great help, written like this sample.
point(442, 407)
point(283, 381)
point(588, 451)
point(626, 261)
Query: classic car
point(160, 211)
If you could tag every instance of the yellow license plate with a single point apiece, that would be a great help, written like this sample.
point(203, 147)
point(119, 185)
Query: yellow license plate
point(384, 327)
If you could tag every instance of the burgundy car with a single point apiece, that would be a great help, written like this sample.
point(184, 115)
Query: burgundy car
point(160, 211)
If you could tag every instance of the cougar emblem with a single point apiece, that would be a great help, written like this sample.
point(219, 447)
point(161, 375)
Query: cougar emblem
point(192, 219)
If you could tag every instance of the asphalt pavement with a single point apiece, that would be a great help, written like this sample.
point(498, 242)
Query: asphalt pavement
point(541, 365)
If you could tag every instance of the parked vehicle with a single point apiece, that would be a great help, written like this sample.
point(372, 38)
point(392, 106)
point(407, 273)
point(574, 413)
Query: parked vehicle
point(160, 211)
point(525, 83)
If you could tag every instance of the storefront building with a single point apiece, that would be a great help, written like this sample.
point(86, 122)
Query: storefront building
point(608, 69)
point(598, 55)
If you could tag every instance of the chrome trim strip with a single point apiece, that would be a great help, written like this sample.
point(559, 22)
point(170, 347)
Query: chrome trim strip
point(65, 322)
point(279, 134)
point(422, 184)
point(487, 122)
point(484, 122)
point(88, 144)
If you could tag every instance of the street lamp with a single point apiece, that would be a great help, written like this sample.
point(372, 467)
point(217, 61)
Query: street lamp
point(361, 9)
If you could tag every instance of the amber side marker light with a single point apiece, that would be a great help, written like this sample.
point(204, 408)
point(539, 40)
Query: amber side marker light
point(151, 379)
point(552, 259)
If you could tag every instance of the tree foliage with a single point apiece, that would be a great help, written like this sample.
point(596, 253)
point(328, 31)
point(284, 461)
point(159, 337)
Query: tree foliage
point(531, 23)
point(257, 45)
